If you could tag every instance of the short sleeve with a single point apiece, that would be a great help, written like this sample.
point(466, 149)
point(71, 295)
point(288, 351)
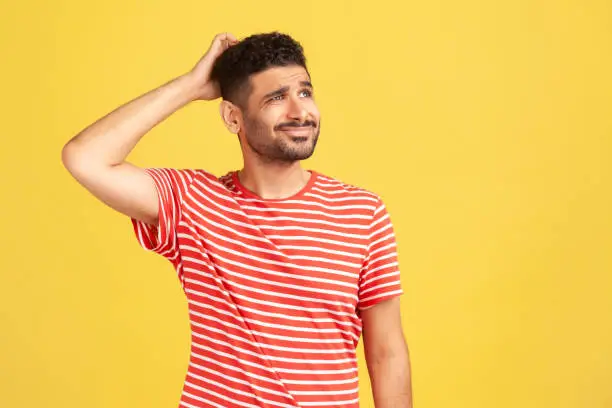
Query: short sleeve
point(380, 274)
point(171, 185)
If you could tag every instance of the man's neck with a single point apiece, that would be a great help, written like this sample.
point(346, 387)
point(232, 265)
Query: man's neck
point(272, 180)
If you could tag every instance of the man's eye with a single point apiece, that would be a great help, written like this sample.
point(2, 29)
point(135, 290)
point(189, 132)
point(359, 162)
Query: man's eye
point(277, 98)
point(306, 93)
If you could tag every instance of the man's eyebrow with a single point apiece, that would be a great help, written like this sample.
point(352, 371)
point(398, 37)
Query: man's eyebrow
point(285, 89)
point(279, 91)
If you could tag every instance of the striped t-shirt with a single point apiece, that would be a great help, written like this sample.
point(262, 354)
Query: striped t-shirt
point(274, 287)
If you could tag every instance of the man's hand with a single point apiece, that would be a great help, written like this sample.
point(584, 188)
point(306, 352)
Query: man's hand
point(206, 89)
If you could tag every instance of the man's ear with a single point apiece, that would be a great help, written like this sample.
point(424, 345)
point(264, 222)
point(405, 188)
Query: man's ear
point(231, 115)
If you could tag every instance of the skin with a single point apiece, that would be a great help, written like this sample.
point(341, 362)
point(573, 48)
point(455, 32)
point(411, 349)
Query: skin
point(278, 127)
point(387, 356)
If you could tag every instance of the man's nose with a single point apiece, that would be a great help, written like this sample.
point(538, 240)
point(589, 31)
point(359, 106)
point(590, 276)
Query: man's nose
point(297, 110)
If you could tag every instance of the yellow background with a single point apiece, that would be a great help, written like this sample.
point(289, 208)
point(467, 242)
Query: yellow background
point(485, 126)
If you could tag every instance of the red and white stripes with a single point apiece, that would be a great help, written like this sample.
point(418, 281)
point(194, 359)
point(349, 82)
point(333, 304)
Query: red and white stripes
point(273, 286)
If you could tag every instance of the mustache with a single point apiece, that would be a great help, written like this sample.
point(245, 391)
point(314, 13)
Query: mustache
point(308, 123)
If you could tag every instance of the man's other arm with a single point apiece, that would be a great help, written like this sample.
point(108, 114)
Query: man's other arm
point(387, 355)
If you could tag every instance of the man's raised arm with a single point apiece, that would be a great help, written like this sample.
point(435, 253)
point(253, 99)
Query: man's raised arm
point(96, 156)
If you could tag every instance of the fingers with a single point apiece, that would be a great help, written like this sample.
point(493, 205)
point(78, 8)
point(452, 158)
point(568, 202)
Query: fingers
point(228, 41)
point(221, 42)
point(230, 38)
point(225, 40)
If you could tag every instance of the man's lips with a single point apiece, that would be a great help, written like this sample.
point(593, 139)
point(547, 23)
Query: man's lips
point(297, 131)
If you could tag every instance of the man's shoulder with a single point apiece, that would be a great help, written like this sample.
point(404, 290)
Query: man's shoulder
point(187, 178)
point(192, 173)
point(335, 186)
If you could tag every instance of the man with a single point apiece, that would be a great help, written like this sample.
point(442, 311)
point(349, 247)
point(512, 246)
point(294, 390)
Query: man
point(283, 268)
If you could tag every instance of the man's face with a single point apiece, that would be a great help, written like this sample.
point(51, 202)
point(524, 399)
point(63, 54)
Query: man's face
point(281, 120)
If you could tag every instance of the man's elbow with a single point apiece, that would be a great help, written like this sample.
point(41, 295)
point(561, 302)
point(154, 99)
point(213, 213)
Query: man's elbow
point(79, 161)
point(73, 156)
point(397, 354)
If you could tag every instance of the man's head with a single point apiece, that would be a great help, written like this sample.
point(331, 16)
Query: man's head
point(267, 97)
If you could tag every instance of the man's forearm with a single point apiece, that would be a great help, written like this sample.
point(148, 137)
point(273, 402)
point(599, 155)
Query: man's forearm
point(110, 139)
point(391, 381)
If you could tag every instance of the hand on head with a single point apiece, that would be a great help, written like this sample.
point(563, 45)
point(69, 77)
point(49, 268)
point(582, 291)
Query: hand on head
point(200, 74)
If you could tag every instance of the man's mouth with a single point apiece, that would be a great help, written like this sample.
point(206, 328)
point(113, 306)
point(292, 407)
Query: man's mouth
point(302, 131)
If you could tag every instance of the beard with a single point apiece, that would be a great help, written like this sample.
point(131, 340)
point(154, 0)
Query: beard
point(282, 148)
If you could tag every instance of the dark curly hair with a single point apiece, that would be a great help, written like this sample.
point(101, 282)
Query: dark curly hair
point(252, 55)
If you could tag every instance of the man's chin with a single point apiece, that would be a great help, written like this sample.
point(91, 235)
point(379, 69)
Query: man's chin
point(298, 147)
point(304, 155)
point(296, 155)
